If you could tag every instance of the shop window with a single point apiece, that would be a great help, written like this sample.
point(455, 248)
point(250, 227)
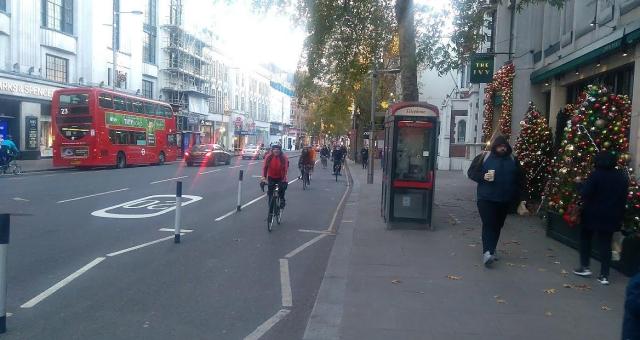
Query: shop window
point(57, 15)
point(618, 81)
point(147, 89)
point(105, 101)
point(57, 69)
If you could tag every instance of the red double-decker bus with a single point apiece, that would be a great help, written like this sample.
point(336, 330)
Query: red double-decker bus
point(95, 127)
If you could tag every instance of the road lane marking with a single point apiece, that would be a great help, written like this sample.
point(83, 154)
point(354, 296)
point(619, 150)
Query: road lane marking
point(252, 163)
point(20, 199)
point(347, 221)
point(208, 172)
point(62, 283)
point(313, 231)
point(94, 195)
point(267, 325)
point(332, 226)
point(225, 216)
point(236, 166)
point(172, 230)
point(158, 204)
point(140, 246)
point(304, 246)
point(285, 283)
point(168, 179)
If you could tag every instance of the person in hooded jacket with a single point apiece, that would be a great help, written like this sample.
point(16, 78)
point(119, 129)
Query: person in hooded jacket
point(604, 196)
point(631, 323)
point(500, 179)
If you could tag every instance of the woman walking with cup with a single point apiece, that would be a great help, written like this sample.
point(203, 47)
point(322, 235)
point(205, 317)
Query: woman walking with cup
point(499, 179)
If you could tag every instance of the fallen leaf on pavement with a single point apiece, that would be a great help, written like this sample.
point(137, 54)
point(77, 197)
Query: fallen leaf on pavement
point(524, 258)
point(566, 285)
point(542, 270)
point(550, 291)
point(453, 277)
point(510, 264)
point(496, 296)
point(548, 313)
point(418, 292)
point(472, 244)
point(605, 308)
point(523, 266)
point(564, 272)
point(550, 249)
point(501, 301)
point(396, 282)
point(582, 287)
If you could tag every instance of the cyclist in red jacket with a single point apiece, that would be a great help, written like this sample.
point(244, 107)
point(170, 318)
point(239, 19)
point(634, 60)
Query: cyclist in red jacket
point(276, 166)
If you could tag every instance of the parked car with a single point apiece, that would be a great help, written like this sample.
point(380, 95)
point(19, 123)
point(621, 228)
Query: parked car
point(207, 154)
point(252, 151)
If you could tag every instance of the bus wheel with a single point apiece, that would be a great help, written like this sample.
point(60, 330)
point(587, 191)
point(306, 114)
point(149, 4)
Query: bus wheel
point(161, 158)
point(121, 161)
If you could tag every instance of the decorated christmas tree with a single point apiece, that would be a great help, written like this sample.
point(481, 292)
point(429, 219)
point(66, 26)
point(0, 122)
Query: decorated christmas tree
point(600, 121)
point(533, 148)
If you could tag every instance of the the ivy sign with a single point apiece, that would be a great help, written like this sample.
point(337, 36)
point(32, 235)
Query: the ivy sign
point(481, 68)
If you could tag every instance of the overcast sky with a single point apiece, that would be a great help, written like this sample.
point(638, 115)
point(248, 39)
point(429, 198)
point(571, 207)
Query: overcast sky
point(252, 39)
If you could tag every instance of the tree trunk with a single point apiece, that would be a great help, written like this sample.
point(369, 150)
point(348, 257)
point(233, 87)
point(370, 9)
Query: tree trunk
point(408, 63)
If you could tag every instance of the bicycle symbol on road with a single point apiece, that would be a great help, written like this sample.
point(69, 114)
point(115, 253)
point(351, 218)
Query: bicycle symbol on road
point(145, 207)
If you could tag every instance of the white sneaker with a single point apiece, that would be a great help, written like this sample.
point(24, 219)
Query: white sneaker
point(487, 259)
point(583, 271)
point(603, 280)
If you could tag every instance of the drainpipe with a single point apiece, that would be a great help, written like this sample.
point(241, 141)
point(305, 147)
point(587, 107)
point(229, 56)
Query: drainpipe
point(512, 7)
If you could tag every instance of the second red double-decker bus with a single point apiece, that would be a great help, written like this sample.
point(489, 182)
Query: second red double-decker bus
point(96, 127)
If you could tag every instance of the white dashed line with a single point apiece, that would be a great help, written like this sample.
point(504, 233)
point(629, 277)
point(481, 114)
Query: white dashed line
point(94, 195)
point(62, 283)
point(305, 245)
point(267, 325)
point(285, 283)
point(140, 246)
point(168, 179)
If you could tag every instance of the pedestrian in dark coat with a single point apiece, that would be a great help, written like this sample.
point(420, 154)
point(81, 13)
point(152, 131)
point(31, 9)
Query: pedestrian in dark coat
point(631, 323)
point(364, 153)
point(604, 196)
point(500, 180)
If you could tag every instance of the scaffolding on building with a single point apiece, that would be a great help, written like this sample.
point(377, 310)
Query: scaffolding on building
point(185, 67)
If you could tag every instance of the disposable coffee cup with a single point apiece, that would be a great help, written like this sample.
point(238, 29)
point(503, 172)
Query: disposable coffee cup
point(492, 174)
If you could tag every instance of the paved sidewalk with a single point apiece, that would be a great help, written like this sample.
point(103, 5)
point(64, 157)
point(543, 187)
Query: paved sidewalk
point(35, 165)
point(410, 284)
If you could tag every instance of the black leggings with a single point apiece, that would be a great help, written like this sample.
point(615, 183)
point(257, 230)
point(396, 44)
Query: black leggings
point(604, 246)
point(493, 215)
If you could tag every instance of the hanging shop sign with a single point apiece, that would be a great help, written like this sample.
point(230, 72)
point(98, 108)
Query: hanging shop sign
point(481, 68)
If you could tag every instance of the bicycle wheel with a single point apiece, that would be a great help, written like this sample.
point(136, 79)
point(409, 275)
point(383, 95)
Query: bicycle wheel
point(279, 214)
point(304, 180)
point(270, 215)
point(17, 170)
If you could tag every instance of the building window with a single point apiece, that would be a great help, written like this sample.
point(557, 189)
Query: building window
point(147, 89)
point(57, 69)
point(116, 21)
point(462, 132)
point(56, 14)
point(149, 48)
point(150, 13)
point(3, 5)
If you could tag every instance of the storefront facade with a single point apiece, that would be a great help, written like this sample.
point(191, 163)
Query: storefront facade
point(25, 114)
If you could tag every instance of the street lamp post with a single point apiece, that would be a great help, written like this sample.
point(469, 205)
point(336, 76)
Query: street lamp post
point(114, 75)
point(374, 87)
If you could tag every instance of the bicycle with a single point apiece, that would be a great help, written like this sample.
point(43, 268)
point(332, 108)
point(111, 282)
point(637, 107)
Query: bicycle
point(337, 166)
point(274, 207)
point(13, 167)
point(306, 177)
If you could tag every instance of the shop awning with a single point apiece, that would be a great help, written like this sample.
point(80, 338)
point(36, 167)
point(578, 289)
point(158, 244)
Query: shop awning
point(589, 54)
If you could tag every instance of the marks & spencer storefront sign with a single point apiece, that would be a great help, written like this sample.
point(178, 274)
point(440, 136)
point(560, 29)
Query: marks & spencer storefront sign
point(26, 89)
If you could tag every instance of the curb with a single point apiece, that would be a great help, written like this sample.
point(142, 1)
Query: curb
point(326, 316)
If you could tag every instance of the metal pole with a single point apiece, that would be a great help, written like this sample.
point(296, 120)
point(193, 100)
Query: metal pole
point(374, 86)
point(113, 48)
point(176, 231)
point(4, 243)
point(240, 177)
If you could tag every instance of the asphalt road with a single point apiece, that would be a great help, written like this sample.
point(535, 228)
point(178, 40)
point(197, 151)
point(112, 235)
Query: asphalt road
point(80, 267)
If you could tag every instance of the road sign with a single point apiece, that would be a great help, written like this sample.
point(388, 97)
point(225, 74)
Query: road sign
point(145, 207)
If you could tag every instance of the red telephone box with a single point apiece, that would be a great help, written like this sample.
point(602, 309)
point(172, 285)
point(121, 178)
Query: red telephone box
point(409, 161)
